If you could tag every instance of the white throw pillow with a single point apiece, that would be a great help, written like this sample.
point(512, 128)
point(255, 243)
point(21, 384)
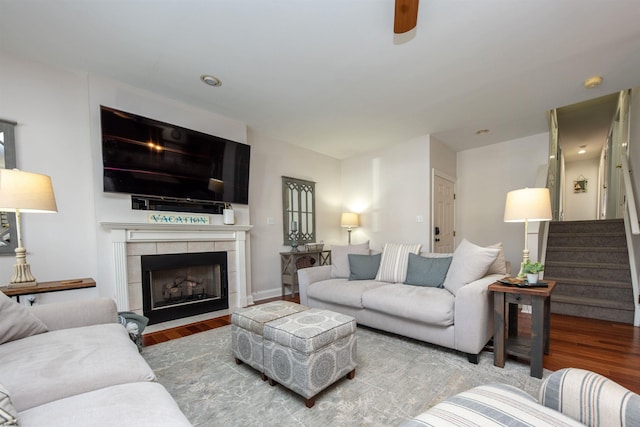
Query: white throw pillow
point(8, 413)
point(16, 321)
point(499, 266)
point(340, 258)
point(470, 262)
point(394, 262)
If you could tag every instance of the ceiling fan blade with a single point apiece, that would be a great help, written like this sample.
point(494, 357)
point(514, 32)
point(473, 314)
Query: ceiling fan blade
point(406, 16)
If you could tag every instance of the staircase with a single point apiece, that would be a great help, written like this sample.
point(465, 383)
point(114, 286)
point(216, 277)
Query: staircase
point(590, 263)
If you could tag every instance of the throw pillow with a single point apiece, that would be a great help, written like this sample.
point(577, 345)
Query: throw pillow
point(16, 321)
point(395, 258)
point(499, 266)
point(8, 413)
point(363, 267)
point(470, 262)
point(422, 271)
point(340, 261)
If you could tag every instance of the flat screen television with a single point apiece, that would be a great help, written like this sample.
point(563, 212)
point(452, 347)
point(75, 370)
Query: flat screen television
point(147, 157)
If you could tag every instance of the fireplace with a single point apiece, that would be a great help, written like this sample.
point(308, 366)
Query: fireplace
point(181, 285)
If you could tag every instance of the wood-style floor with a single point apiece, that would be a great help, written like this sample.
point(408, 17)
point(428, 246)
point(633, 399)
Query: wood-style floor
point(609, 348)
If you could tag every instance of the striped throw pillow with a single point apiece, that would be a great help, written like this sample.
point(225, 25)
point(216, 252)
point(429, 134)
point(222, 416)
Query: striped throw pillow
point(395, 258)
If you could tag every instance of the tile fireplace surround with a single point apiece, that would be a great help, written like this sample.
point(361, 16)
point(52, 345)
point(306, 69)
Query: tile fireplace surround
point(130, 241)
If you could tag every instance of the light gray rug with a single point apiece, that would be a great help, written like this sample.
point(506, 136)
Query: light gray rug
point(396, 379)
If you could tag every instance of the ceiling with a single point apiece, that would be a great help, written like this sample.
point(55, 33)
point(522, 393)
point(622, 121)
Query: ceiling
point(331, 76)
point(586, 126)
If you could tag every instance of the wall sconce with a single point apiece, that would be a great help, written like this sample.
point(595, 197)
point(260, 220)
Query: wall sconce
point(527, 204)
point(24, 192)
point(349, 220)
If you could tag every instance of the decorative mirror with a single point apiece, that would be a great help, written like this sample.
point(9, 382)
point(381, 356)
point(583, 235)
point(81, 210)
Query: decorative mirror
point(298, 211)
point(8, 239)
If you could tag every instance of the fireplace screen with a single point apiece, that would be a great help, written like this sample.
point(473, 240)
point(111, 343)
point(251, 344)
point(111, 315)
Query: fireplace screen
point(181, 285)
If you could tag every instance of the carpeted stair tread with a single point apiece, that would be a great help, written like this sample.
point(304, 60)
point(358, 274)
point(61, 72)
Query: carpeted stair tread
point(589, 282)
point(587, 265)
point(593, 302)
point(583, 249)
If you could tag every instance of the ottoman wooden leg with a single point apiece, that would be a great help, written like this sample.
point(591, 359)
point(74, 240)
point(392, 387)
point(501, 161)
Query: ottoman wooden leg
point(263, 376)
point(272, 382)
point(238, 361)
point(310, 402)
point(351, 375)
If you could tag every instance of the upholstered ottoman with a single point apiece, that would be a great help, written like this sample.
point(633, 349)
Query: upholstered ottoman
point(247, 326)
point(308, 351)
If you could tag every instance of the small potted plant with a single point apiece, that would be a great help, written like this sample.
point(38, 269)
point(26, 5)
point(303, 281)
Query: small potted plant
point(532, 270)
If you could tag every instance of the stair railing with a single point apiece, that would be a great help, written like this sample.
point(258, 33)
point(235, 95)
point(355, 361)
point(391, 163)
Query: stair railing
point(629, 197)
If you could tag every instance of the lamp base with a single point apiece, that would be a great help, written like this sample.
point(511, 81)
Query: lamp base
point(22, 276)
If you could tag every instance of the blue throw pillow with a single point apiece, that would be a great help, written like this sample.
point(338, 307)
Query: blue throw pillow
point(364, 267)
point(423, 271)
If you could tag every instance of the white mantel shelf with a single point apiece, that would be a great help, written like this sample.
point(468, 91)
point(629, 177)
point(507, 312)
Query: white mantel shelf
point(123, 233)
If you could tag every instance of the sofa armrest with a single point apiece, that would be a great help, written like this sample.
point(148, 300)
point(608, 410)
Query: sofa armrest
point(473, 318)
point(307, 276)
point(74, 314)
point(590, 398)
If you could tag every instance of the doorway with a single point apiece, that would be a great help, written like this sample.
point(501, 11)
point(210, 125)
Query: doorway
point(443, 203)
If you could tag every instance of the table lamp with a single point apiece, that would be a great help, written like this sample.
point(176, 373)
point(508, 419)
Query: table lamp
point(527, 204)
point(22, 192)
point(349, 220)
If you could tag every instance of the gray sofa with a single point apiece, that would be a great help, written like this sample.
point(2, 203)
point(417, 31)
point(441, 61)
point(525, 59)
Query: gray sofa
point(458, 317)
point(73, 364)
point(568, 397)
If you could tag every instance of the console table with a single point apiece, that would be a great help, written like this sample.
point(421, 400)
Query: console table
point(505, 331)
point(55, 286)
point(291, 262)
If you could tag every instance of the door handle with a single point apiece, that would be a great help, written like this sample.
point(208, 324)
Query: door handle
point(437, 231)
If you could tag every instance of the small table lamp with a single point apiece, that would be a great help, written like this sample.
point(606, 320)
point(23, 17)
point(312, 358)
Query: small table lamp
point(349, 220)
point(24, 192)
point(527, 204)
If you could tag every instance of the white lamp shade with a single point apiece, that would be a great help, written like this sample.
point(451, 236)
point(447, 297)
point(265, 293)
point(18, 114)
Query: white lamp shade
point(26, 191)
point(528, 204)
point(349, 219)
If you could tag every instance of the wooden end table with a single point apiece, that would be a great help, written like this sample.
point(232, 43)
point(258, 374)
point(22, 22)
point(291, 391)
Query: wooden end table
point(506, 300)
point(291, 262)
point(55, 286)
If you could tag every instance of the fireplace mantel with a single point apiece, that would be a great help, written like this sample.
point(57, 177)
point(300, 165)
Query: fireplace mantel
point(123, 233)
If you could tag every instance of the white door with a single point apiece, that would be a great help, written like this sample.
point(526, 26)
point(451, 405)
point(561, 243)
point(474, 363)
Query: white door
point(443, 215)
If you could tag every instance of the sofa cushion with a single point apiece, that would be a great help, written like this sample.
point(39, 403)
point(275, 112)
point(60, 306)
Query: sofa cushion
point(8, 413)
point(499, 266)
point(424, 271)
point(16, 321)
point(140, 404)
point(470, 262)
point(46, 367)
point(434, 306)
point(341, 291)
point(395, 258)
point(363, 267)
point(340, 260)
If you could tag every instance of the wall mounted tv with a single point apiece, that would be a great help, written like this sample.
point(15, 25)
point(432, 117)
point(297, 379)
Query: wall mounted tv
point(146, 157)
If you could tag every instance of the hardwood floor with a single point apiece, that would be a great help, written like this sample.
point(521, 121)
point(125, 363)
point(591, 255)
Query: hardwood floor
point(609, 348)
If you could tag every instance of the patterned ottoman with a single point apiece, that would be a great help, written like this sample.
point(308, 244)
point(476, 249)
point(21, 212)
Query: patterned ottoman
point(247, 325)
point(308, 351)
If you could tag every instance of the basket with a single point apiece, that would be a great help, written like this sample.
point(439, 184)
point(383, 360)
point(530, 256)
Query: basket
point(314, 246)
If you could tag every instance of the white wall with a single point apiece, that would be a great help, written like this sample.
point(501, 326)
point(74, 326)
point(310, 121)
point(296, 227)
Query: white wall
point(389, 188)
point(53, 138)
point(270, 160)
point(581, 206)
point(485, 175)
point(634, 161)
point(58, 134)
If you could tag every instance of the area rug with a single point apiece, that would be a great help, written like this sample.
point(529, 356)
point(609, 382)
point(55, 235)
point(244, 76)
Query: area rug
point(396, 379)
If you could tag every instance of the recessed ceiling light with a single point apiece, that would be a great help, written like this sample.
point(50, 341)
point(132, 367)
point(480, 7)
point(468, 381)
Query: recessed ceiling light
point(211, 80)
point(592, 82)
point(481, 131)
point(582, 151)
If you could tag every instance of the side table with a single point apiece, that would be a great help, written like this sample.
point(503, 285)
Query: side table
point(505, 331)
point(291, 262)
